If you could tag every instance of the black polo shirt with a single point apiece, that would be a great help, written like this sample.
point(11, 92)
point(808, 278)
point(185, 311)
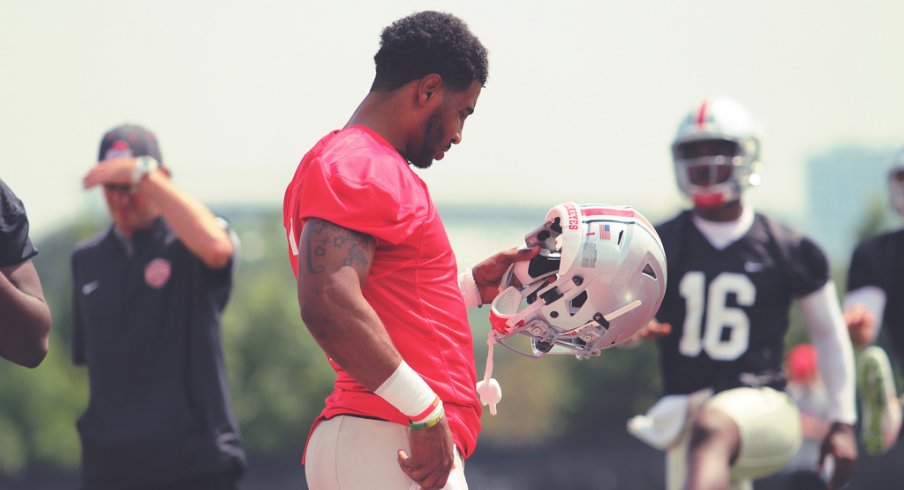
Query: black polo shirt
point(147, 325)
point(15, 246)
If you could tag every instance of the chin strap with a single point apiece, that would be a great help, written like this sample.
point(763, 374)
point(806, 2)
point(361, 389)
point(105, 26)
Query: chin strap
point(624, 309)
point(488, 390)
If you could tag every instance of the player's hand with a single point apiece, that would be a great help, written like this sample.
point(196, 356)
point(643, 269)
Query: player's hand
point(860, 323)
point(841, 443)
point(651, 331)
point(488, 274)
point(431, 458)
point(654, 330)
point(113, 171)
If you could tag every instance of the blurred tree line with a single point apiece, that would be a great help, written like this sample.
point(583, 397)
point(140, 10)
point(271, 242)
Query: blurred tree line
point(279, 376)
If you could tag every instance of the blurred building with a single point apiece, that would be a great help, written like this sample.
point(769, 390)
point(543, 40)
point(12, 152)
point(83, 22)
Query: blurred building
point(846, 197)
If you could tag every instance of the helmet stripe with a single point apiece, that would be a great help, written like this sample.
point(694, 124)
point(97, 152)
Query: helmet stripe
point(626, 213)
point(701, 115)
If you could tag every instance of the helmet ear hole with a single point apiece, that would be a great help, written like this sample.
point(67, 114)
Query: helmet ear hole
point(648, 270)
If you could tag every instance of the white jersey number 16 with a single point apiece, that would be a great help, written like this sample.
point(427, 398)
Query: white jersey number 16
point(727, 332)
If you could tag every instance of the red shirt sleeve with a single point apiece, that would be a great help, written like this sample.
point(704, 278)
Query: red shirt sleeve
point(360, 194)
point(356, 180)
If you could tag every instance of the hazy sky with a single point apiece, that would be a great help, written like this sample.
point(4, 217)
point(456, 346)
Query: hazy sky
point(582, 101)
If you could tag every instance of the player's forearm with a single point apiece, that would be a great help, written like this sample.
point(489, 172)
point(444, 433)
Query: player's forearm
point(25, 325)
point(351, 333)
point(838, 374)
point(834, 352)
point(192, 222)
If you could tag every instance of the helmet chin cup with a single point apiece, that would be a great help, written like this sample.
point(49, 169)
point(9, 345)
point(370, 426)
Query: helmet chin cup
point(506, 316)
point(490, 393)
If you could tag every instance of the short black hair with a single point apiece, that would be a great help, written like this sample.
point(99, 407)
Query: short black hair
point(429, 42)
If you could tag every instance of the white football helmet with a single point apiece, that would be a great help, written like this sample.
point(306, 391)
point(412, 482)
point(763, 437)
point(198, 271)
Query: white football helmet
point(896, 182)
point(713, 178)
point(599, 277)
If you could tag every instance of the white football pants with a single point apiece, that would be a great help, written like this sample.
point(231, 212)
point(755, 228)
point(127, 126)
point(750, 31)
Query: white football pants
point(353, 453)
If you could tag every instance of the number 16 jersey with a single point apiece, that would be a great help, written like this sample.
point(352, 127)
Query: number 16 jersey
point(729, 307)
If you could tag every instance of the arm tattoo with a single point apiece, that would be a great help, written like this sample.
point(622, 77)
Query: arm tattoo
point(321, 239)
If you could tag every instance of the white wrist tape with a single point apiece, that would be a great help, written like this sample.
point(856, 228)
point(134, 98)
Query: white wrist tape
point(469, 290)
point(408, 392)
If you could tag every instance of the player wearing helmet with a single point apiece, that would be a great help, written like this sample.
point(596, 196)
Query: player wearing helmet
point(875, 274)
point(732, 276)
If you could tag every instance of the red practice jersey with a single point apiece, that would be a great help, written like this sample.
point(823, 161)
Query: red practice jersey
point(357, 180)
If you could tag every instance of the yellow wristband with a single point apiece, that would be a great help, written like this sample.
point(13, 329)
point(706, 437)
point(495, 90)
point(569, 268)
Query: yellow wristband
point(430, 422)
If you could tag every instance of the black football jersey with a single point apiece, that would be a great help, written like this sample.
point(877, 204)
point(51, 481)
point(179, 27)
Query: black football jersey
point(729, 308)
point(879, 261)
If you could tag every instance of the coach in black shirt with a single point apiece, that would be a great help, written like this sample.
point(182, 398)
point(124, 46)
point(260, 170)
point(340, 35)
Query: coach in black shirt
point(24, 315)
point(148, 296)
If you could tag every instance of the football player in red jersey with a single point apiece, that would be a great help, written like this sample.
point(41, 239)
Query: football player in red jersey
point(875, 275)
point(378, 284)
point(733, 274)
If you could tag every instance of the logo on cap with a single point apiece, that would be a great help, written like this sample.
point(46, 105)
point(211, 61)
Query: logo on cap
point(119, 148)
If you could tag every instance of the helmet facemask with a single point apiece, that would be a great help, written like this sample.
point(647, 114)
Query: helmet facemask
point(713, 172)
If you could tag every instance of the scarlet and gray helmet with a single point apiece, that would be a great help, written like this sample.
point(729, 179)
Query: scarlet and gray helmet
point(896, 182)
point(600, 276)
point(720, 119)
